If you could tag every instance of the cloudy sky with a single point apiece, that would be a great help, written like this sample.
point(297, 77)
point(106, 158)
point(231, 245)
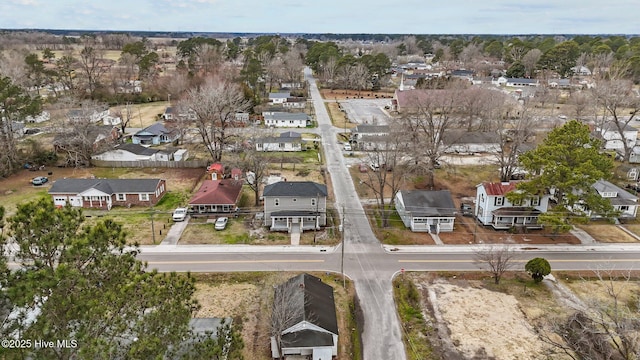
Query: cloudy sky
point(329, 16)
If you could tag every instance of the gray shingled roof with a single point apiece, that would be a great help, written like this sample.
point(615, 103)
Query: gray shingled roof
point(156, 129)
point(371, 129)
point(137, 149)
point(295, 188)
point(108, 186)
point(278, 115)
point(317, 300)
point(428, 202)
point(285, 137)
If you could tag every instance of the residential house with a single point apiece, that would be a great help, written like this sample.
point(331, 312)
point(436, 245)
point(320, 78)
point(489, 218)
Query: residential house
point(581, 70)
point(134, 152)
point(560, 83)
point(291, 85)
point(295, 205)
point(100, 136)
point(172, 113)
point(462, 74)
point(515, 82)
point(285, 119)
point(430, 211)
point(464, 142)
point(610, 134)
point(286, 141)
point(42, 117)
point(154, 135)
point(312, 331)
point(279, 97)
point(295, 103)
point(494, 209)
point(621, 200)
point(216, 196)
point(87, 113)
point(368, 137)
point(105, 193)
point(17, 128)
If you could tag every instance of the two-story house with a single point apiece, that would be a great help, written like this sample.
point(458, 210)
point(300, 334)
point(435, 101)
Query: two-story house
point(493, 208)
point(290, 204)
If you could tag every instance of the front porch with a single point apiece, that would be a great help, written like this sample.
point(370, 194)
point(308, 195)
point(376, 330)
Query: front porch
point(286, 220)
point(507, 218)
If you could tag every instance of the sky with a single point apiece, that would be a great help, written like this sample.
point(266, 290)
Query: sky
point(328, 16)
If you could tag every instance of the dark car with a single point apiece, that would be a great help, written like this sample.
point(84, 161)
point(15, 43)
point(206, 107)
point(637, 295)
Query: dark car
point(39, 180)
point(466, 209)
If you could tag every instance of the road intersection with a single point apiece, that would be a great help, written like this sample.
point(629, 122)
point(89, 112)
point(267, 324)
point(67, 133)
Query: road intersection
point(369, 264)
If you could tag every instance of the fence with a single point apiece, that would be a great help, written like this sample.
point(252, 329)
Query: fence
point(151, 164)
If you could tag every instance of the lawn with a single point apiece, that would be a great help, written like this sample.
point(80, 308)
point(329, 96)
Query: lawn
point(609, 233)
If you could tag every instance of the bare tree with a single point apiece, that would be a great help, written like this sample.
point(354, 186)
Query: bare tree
point(288, 309)
point(513, 135)
point(426, 120)
point(621, 105)
point(605, 328)
point(215, 105)
point(93, 67)
point(530, 60)
point(388, 172)
point(499, 259)
point(125, 114)
point(257, 163)
point(329, 71)
point(582, 102)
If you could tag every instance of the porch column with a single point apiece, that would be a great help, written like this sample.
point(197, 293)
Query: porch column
point(273, 222)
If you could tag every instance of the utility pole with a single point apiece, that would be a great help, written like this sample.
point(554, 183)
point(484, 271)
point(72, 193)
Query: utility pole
point(315, 226)
point(344, 285)
point(153, 230)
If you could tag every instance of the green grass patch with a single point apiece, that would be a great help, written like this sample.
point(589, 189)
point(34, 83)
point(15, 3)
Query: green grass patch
point(416, 331)
point(172, 200)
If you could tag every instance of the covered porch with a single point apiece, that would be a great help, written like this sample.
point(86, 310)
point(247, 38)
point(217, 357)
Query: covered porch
point(285, 220)
point(507, 218)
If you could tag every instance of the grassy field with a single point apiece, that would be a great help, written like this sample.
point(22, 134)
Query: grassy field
point(608, 233)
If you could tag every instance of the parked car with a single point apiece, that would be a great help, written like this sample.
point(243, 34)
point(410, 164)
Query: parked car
point(39, 180)
point(179, 214)
point(347, 147)
point(221, 223)
point(466, 209)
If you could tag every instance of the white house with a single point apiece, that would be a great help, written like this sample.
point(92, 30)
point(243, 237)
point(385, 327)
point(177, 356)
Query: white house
point(464, 142)
point(134, 152)
point(426, 210)
point(279, 97)
point(493, 208)
point(287, 141)
point(313, 333)
point(621, 200)
point(610, 135)
point(285, 119)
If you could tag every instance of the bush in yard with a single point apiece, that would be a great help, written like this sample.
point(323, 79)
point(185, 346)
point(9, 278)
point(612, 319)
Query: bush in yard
point(538, 268)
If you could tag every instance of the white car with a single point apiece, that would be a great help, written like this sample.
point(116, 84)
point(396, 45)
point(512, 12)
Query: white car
point(347, 147)
point(179, 214)
point(221, 223)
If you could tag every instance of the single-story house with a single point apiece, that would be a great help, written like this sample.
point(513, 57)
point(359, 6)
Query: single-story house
point(105, 193)
point(287, 141)
point(295, 205)
point(295, 103)
point(464, 142)
point(175, 113)
point(155, 134)
point(430, 211)
point(134, 152)
point(216, 196)
point(621, 200)
point(91, 114)
point(494, 209)
point(279, 97)
point(311, 329)
point(610, 134)
point(286, 119)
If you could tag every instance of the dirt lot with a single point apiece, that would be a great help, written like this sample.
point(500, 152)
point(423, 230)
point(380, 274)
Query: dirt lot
point(247, 297)
point(480, 320)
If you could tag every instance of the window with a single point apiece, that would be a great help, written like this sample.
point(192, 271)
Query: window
point(121, 197)
point(281, 145)
point(481, 198)
point(535, 201)
point(276, 202)
point(499, 201)
point(294, 199)
point(313, 202)
point(259, 145)
point(624, 208)
point(143, 197)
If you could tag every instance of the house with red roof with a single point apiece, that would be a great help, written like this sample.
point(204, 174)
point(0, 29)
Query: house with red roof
point(216, 196)
point(493, 208)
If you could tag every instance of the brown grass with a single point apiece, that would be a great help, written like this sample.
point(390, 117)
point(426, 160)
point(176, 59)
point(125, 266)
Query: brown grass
point(248, 297)
point(341, 94)
point(608, 233)
point(338, 117)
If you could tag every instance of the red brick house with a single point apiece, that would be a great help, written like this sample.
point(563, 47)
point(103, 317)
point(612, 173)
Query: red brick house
point(216, 196)
point(105, 193)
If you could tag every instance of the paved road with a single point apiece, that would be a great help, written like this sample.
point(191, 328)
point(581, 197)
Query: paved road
point(381, 334)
